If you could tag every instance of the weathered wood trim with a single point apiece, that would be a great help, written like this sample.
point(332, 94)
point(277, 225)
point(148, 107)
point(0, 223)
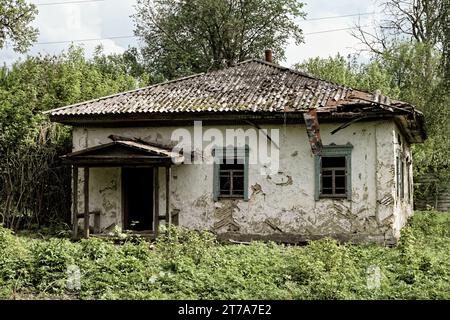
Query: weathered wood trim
point(86, 202)
point(334, 151)
point(317, 174)
point(96, 215)
point(168, 175)
point(216, 182)
point(156, 199)
point(246, 173)
point(294, 238)
point(123, 199)
point(117, 161)
point(219, 154)
point(75, 202)
point(404, 119)
point(222, 117)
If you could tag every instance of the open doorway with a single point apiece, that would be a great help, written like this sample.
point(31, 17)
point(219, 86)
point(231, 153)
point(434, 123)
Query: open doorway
point(138, 198)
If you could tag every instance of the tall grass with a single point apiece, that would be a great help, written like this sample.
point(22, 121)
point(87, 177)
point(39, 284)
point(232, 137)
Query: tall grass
point(192, 265)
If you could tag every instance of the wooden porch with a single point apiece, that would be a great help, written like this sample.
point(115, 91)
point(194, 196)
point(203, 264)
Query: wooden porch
point(122, 154)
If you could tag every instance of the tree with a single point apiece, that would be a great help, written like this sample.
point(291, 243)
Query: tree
point(15, 19)
point(414, 42)
point(420, 21)
point(34, 186)
point(350, 73)
point(189, 36)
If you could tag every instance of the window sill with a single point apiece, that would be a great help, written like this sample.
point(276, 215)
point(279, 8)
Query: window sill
point(344, 196)
point(231, 198)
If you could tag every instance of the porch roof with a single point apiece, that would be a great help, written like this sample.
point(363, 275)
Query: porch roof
point(123, 153)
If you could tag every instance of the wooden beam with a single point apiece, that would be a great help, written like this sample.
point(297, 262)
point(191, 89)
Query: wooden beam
point(156, 199)
point(86, 202)
point(95, 213)
point(168, 174)
point(74, 202)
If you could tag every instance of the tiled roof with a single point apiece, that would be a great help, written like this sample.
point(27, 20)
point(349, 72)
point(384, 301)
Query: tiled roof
point(250, 86)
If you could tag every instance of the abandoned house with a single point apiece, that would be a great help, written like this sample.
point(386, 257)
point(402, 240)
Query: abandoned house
point(339, 159)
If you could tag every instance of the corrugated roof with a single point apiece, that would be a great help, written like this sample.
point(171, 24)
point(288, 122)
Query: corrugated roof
point(250, 86)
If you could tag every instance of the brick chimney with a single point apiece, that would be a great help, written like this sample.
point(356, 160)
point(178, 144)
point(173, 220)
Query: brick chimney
point(268, 53)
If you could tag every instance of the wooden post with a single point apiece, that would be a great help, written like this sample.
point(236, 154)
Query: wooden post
point(156, 199)
point(86, 202)
point(168, 217)
point(75, 202)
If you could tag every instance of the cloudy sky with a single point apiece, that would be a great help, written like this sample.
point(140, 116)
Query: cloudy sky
point(62, 21)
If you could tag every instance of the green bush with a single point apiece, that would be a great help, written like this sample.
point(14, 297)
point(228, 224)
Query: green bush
point(15, 264)
point(50, 260)
point(185, 264)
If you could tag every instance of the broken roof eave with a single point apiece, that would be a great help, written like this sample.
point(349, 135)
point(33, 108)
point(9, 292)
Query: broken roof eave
point(144, 155)
point(412, 124)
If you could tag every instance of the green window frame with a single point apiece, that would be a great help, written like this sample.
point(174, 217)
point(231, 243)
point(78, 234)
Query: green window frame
point(400, 168)
point(220, 156)
point(408, 170)
point(334, 150)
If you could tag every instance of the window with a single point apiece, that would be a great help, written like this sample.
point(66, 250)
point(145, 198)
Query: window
point(333, 172)
point(231, 179)
point(408, 175)
point(333, 176)
point(230, 173)
point(400, 178)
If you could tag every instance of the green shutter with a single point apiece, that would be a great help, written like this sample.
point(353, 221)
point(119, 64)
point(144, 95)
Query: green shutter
point(246, 173)
point(348, 174)
point(316, 177)
point(216, 184)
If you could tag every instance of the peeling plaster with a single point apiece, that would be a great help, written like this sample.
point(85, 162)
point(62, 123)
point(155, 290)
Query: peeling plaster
point(283, 201)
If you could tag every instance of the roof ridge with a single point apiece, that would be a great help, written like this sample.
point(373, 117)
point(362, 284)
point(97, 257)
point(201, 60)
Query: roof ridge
point(298, 72)
point(311, 76)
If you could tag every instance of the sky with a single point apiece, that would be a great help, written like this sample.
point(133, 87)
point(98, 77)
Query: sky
point(67, 20)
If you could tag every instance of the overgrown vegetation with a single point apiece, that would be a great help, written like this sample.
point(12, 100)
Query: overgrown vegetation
point(34, 185)
point(192, 265)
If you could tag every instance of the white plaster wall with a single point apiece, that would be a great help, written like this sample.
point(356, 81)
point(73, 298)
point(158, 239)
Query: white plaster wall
point(285, 199)
point(403, 207)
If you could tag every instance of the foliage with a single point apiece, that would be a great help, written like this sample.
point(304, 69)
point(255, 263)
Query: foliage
point(15, 19)
point(186, 264)
point(414, 39)
point(425, 22)
point(350, 73)
point(183, 37)
point(34, 185)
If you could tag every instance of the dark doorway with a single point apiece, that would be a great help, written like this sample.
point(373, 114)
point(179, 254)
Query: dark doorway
point(137, 190)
